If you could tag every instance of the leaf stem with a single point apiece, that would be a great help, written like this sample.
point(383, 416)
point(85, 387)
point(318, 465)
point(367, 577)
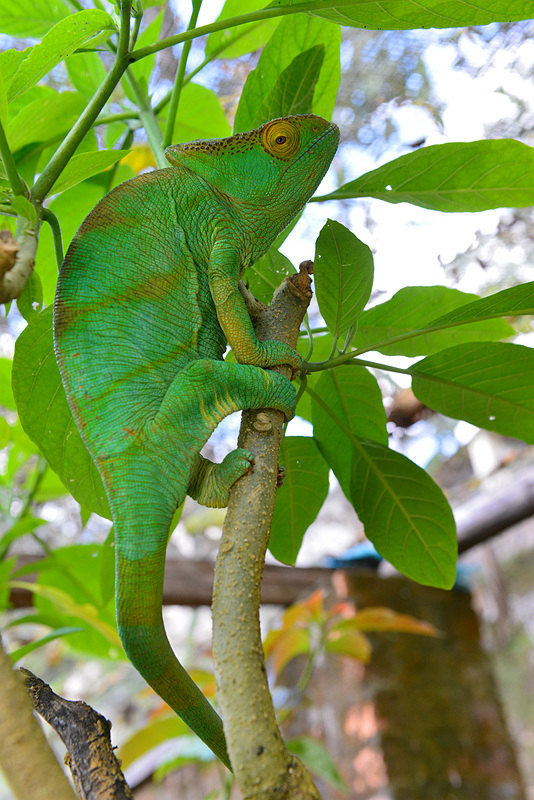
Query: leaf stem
point(180, 74)
point(345, 358)
point(55, 227)
point(17, 184)
point(148, 120)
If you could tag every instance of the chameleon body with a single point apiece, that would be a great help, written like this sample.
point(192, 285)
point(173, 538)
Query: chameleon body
point(147, 299)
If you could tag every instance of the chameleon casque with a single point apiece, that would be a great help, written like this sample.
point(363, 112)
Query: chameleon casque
point(147, 300)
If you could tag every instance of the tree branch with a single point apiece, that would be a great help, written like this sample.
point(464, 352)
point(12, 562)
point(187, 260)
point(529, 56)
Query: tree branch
point(86, 735)
point(264, 768)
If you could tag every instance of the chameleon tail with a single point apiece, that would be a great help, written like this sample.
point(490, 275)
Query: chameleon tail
point(141, 540)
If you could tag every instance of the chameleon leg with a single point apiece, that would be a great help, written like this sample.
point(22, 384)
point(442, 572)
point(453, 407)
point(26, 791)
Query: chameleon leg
point(210, 483)
point(145, 484)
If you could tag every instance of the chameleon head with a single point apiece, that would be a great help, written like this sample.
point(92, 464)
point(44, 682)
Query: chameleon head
point(275, 167)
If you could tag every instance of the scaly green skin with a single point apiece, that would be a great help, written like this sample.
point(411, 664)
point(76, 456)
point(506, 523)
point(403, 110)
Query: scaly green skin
point(147, 299)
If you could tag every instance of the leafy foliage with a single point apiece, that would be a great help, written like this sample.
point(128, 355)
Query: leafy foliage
point(53, 159)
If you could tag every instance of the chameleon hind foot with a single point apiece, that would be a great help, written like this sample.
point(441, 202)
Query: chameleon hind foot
point(210, 483)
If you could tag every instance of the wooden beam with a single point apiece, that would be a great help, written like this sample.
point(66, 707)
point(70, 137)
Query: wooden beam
point(189, 582)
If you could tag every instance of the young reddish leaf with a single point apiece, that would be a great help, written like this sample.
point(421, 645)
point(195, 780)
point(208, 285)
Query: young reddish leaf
point(285, 646)
point(348, 642)
point(380, 618)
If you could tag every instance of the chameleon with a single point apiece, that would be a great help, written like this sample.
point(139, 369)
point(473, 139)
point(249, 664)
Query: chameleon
point(146, 302)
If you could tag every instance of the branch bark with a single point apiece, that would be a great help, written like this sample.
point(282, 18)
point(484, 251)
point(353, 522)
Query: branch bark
point(263, 766)
point(86, 735)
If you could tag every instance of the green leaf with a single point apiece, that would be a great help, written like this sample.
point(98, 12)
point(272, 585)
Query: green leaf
point(24, 208)
point(6, 567)
point(149, 736)
point(20, 528)
point(44, 119)
point(267, 273)
point(6, 394)
point(31, 299)
point(415, 308)
point(489, 384)
point(318, 760)
point(294, 35)
point(59, 42)
point(295, 86)
point(207, 122)
point(408, 14)
point(243, 38)
point(346, 403)
point(67, 594)
point(31, 17)
point(10, 61)
point(458, 176)
point(84, 165)
point(299, 499)
point(5, 435)
point(86, 72)
point(404, 513)
point(3, 102)
point(343, 273)
point(511, 302)
point(46, 416)
point(20, 652)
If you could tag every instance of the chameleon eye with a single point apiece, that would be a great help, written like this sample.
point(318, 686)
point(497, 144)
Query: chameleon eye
point(281, 138)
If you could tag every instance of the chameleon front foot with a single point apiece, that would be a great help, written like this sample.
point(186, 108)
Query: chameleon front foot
point(211, 482)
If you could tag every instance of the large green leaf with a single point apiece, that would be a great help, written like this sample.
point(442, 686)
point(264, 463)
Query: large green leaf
point(59, 42)
point(295, 86)
point(346, 404)
point(404, 513)
point(67, 593)
point(45, 119)
point(243, 38)
point(343, 274)
point(412, 310)
point(490, 384)
point(406, 14)
point(208, 120)
point(31, 17)
point(86, 72)
point(294, 35)
point(299, 499)
point(46, 416)
point(84, 165)
point(513, 302)
point(458, 176)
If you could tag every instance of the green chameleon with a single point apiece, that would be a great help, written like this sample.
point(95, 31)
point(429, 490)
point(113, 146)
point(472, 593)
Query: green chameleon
point(146, 302)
